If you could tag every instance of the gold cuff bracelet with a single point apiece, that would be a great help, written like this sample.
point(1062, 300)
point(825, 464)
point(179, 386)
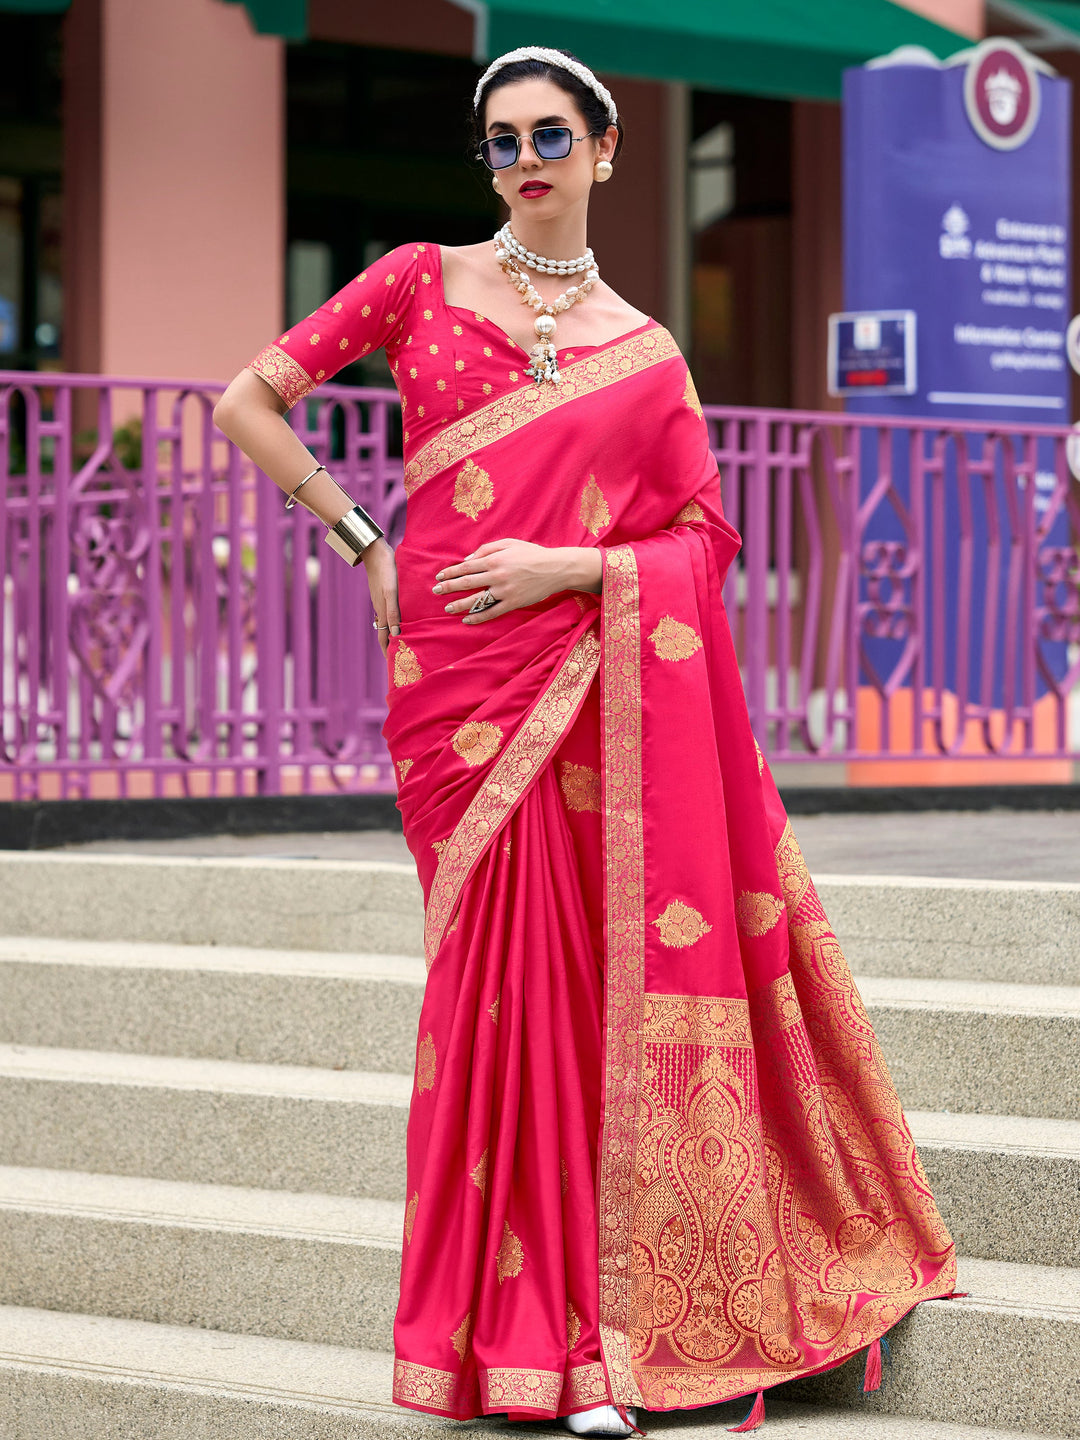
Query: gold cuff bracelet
point(352, 535)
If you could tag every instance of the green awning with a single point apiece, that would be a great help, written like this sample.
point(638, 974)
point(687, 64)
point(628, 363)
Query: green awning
point(788, 48)
point(1050, 22)
point(35, 7)
point(287, 18)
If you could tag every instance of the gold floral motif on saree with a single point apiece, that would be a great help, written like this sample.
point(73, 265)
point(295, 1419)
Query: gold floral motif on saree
point(573, 1327)
point(477, 741)
point(690, 396)
point(513, 772)
point(406, 666)
point(690, 514)
point(473, 490)
point(283, 374)
point(791, 868)
point(593, 511)
point(493, 1009)
point(460, 1338)
point(510, 1259)
point(508, 413)
point(478, 1174)
point(410, 1215)
point(521, 1389)
point(580, 785)
point(425, 1064)
point(586, 1385)
point(403, 767)
point(674, 640)
point(439, 846)
point(680, 925)
point(425, 1386)
point(564, 1176)
point(760, 758)
point(756, 911)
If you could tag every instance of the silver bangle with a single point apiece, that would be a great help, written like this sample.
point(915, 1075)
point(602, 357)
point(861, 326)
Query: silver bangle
point(352, 535)
point(291, 500)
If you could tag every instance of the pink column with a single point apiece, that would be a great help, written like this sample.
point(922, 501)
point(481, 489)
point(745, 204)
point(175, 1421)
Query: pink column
point(174, 131)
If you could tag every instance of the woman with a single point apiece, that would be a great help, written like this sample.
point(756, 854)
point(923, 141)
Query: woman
point(654, 1156)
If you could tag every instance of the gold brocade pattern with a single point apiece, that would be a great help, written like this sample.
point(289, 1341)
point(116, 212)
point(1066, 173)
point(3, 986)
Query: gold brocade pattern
point(477, 741)
point(690, 396)
point(510, 777)
point(573, 1327)
point(690, 514)
point(519, 1389)
point(791, 867)
point(424, 1386)
point(756, 911)
point(680, 925)
point(674, 640)
point(510, 1259)
point(283, 374)
point(473, 490)
point(425, 1064)
point(410, 1216)
point(585, 1385)
point(493, 1009)
point(406, 666)
point(625, 943)
point(403, 767)
point(460, 1338)
point(510, 412)
point(593, 511)
point(580, 785)
point(478, 1174)
point(564, 1176)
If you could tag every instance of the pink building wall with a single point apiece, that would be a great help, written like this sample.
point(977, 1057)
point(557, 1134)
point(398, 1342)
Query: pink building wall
point(174, 133)
point(968, 17)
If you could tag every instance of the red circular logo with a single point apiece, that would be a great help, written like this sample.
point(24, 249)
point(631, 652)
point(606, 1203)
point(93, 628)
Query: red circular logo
point(1001, 93)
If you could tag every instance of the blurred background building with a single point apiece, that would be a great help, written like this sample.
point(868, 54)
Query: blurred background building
point(180, 180)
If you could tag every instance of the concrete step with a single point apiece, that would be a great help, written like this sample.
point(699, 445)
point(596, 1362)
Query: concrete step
point(1008, 1187)
point(1016, 932)
point(372, 906)
point(276, 1007)
point(221, 1122)
point(1023, 932)
point(1007, 1355)
point(85, 1377)
point(319, 1268)
point(977, 1046)
point(951, 1045)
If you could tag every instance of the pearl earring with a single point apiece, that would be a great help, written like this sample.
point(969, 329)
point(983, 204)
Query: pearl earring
point(494, 182)
point(602, 171)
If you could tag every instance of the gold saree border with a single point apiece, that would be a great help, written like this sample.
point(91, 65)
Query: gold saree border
point(283, 374)
point(517, 408)
point(510, 777)
point(624, 866)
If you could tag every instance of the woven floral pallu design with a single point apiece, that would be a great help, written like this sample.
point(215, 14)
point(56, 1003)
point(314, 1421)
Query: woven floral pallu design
point(654, 1154)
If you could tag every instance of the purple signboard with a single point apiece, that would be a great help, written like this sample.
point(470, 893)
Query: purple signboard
point(957, 207)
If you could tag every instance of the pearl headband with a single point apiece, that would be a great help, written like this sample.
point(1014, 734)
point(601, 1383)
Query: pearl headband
point(554, 57)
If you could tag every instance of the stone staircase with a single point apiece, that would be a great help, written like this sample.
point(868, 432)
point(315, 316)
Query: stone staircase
point(202, 1151)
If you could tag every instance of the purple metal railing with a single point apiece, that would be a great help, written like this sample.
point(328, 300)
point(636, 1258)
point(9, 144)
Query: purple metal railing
point(905, 590)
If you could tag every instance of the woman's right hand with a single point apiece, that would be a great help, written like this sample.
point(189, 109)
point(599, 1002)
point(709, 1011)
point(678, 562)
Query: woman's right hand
point(381, 570)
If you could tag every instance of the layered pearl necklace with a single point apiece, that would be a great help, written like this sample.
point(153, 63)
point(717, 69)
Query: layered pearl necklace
point(512, 255)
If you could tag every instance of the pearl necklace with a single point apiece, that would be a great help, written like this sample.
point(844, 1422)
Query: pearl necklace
point(543, 354)
point(506, 240)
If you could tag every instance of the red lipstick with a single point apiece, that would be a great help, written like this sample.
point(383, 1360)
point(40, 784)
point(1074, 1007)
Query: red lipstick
point(533, 188)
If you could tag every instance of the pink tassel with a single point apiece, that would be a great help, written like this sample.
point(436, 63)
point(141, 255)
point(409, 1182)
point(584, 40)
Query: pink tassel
point(872, 1378)
point(620, 1410)
point(755, 1418)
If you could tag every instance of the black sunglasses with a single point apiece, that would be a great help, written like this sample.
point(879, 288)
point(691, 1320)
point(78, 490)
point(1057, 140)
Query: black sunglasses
point(551, 142)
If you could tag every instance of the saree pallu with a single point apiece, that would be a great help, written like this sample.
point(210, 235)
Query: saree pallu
point(654, 1154)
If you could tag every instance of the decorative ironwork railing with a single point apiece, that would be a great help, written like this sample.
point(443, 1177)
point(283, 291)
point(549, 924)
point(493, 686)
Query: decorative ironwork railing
point(906, 590)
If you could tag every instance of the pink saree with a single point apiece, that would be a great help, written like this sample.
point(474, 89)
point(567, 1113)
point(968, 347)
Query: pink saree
point(654, 1154)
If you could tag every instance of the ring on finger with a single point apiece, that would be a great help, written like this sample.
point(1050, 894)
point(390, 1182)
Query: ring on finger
point(483, 601)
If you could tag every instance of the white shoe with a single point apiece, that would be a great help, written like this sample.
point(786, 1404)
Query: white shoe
point(601, 1420)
